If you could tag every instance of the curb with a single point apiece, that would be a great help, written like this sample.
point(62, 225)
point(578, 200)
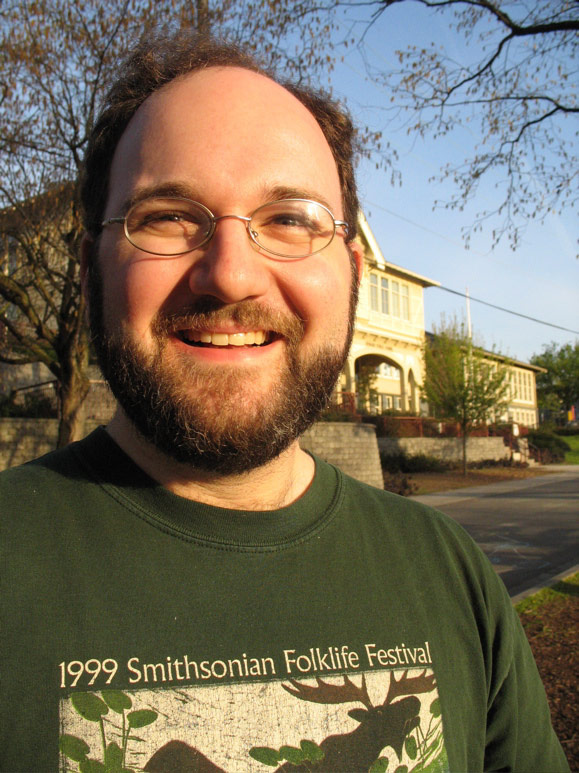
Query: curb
point(546, 584)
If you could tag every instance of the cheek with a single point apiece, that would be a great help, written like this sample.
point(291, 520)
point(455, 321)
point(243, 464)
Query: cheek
point(322, 298)
point(135, 291)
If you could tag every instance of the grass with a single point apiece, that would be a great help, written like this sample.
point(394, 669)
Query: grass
point(572, 456)
point(567, 587)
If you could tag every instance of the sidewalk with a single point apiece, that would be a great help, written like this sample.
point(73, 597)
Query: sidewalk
point(557, 472)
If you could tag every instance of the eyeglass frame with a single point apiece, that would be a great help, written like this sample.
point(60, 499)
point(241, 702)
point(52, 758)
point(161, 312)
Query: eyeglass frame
point(214, 220)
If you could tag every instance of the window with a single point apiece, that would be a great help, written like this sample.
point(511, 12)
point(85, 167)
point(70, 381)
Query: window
point(373, 292)
point(384, 295)
point(395, 299)
point(404, 302)
point(385, 370)
point(389, 297)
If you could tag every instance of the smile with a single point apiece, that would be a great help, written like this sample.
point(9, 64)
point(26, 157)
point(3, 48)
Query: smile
point(200, 338)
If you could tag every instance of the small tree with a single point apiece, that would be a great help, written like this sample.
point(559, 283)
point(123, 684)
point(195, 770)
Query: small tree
point(366, 377)
point(558, 388)
point(462, 382)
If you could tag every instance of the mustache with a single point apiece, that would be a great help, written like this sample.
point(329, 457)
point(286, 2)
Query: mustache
point(205, 314)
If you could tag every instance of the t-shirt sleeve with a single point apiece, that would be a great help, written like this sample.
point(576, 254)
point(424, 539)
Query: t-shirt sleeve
point(519, 736)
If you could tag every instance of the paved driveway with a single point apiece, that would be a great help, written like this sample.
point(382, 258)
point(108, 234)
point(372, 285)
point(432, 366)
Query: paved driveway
point(528, 528)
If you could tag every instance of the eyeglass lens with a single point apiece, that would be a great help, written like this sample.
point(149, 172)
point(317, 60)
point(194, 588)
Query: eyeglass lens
point(172, 226)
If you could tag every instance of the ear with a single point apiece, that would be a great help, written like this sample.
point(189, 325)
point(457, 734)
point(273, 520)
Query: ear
point(357, 252)
point(86, 257)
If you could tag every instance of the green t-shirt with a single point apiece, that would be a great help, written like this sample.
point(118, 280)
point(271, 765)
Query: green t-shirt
point(351, 631)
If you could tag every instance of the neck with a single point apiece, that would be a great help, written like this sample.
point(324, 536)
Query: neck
point(269, 487)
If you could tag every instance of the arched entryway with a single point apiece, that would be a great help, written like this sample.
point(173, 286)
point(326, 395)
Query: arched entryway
point(379, 384)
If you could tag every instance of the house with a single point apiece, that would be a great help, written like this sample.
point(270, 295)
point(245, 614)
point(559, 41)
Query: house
point(389, 338)
point(389, 331)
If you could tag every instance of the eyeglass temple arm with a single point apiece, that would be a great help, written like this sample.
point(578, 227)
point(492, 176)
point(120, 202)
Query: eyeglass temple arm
point(112, 220)
point(343, 224)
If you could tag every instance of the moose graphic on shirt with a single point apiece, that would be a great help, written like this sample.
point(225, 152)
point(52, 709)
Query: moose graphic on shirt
point(326, 725)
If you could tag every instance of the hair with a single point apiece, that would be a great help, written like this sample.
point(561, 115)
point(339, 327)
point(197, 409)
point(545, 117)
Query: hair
point(158, 60)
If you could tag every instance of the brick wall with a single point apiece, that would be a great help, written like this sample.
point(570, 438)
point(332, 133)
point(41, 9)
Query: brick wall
point(352, 447)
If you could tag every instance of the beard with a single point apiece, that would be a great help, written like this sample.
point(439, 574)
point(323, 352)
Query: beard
point(210, 417)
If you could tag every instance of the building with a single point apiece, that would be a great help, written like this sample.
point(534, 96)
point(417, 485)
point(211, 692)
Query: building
point(389, 338)
point(389, 331)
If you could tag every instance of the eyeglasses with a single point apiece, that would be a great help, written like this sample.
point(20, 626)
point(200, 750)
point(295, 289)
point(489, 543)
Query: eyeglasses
point(170, 226)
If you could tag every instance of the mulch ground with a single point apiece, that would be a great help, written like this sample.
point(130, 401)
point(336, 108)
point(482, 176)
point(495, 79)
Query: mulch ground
point(552, 629)
point(431, 482)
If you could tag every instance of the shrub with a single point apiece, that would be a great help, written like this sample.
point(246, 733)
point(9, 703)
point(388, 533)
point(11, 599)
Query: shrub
point(402, 462)
point(399, 483)
point(33, 406)
point(567, 431)
point(553, 448)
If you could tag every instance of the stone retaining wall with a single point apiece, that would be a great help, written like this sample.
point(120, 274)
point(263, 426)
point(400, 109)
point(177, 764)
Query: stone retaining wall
point(478, 449)
point(24, 439)
point(353, 447)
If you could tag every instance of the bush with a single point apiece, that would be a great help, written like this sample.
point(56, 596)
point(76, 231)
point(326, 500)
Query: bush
point(408, 464)
point(567, 431)
point(33, 406)
point(399, 483)
point(553, 448)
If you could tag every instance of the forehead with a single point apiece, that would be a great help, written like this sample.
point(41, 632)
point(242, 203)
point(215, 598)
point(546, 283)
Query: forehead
point(227, 134)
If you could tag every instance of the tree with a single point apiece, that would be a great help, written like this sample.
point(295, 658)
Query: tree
point(462, 382)
point(558, 388)
point(57, 59)
point(517, 81)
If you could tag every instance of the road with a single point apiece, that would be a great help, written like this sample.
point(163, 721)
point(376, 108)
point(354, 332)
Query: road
point(528, 528)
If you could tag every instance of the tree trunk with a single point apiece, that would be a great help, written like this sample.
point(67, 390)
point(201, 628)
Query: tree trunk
point(464, 439)
point(72, 390)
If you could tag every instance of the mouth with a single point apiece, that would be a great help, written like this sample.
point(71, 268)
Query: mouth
point(203, 338)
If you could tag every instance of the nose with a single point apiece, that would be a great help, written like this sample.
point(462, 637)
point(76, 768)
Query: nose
point(229, 267)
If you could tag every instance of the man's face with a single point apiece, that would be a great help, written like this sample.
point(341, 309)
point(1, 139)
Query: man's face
point(232, 140)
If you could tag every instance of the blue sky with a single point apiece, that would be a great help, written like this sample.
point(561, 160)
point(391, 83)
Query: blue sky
point(540, 279)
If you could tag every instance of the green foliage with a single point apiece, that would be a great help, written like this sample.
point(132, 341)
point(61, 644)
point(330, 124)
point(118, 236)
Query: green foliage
point(94, 709)
point(558, 388)
point(548, 441)
point(572, 456)
point(402, 462)
point(567, 587)
point(366, 377)
point(462, 382)
point(308, 751)
point(32, 406)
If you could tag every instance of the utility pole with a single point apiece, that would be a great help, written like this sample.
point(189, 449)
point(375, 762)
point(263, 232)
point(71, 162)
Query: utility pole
point(469, 326)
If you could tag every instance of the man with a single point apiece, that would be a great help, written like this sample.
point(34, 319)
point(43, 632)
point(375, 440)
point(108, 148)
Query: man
point(190, 590)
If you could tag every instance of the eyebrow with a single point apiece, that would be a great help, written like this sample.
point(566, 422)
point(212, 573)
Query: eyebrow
point(183, 191)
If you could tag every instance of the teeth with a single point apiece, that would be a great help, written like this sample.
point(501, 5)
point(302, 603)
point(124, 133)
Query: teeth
point(256, 337)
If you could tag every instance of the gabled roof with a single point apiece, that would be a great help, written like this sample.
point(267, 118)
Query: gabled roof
point(377, 258)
